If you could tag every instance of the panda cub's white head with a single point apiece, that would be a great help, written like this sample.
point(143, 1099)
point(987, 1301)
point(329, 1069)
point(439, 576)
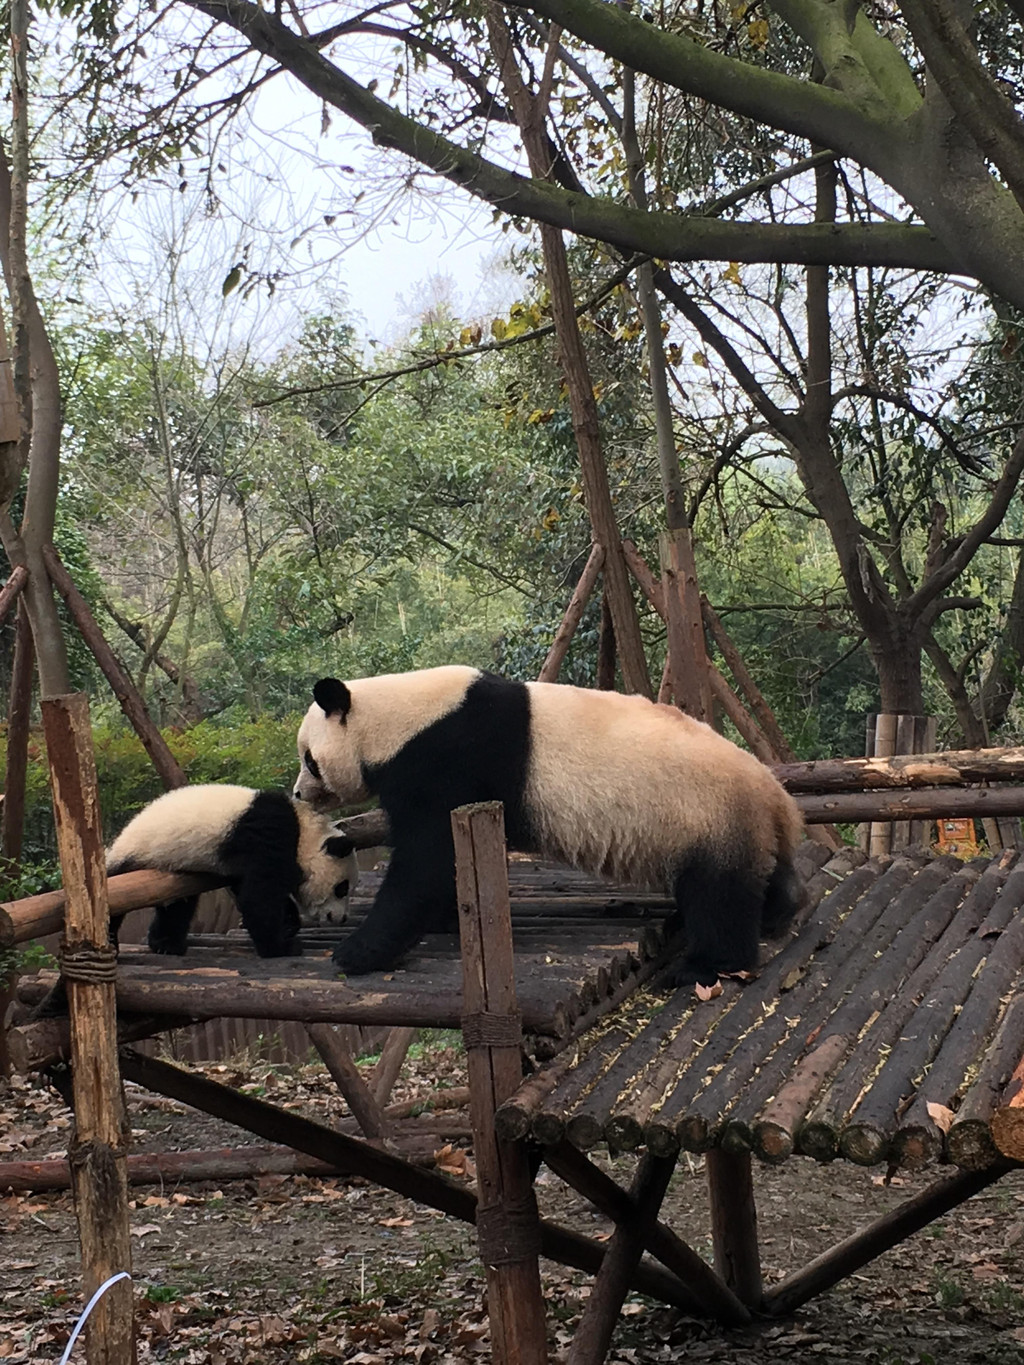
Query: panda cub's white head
point(329, 868)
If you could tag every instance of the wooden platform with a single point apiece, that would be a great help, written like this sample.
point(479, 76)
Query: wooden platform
point(885, 1031)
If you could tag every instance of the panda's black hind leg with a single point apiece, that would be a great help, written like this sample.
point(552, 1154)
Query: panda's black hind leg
point(719, 913)
point(168, 929)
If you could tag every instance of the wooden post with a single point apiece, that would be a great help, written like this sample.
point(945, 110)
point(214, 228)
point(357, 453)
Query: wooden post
point(98, 1148)
point(573, 613)
point(611, 1284)
point(760, 709)
point(389, 1063)
point(507, 1222)
point(338, 1060)
point(734, 1223)
point(880, 840)
point(124, 689)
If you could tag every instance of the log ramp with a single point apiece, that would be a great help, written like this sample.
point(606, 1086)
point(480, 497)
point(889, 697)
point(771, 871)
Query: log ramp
point(888, 1028)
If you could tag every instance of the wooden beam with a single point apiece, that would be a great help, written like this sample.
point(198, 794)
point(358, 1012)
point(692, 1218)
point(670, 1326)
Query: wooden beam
point(347, 1077)
point(918, 803)
point(389, 1063)
point(98, 1148)
point(847, 1257)
point(37, 916)
point(573, 614)
point(955, 768)
point(354, 1157)
point(508, 1225)
point(124, 689)
point(11, 590)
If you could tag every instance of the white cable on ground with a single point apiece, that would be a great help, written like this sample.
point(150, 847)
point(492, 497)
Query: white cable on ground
point(121, 1275)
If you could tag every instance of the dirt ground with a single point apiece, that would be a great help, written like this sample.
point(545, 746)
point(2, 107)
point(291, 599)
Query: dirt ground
point(278, 1269)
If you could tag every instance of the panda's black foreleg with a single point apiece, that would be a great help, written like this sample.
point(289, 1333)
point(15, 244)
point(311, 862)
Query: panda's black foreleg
point(417, 896)
point(269, 914)
point(720, 915)
point(168, 929)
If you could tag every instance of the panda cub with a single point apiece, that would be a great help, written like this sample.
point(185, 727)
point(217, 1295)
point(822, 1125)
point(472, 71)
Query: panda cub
point(616, 785)
point(280, 857)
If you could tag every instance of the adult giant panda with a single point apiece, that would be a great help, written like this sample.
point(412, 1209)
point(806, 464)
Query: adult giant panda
point(615, 785)
point(280, 857)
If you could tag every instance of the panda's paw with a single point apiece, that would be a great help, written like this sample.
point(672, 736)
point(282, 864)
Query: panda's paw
point(354, 961)
point(167, 945)
point(290, 947)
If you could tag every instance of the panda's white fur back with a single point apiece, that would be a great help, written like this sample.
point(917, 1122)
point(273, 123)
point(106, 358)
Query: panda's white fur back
point(181, 830)
point(587, 748)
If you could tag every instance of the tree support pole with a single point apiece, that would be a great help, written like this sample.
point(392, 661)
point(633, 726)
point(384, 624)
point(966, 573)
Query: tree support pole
point(507, 1222)
point(573, 614)
point(124, 689)
point(338, 1060)
point(98, 1149)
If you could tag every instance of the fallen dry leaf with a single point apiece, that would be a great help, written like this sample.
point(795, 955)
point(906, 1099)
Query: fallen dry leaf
point(940, 1115)
point(709, 992)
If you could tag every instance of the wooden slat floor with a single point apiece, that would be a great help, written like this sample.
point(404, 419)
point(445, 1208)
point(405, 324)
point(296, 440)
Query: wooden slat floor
point(884, 1031)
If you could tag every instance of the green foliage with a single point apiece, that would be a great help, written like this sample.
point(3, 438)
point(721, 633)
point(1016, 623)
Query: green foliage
point(250, 753)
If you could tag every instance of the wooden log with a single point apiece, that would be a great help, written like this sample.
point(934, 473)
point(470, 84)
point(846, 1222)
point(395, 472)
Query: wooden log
point(507, 1221)
point(98, 1148)
point(593, 1333)
point(709, 1295)
point(191, 994)
point(389, 1063)
point(818, 1135)
point(1008, 1119)
point(455, 1097)
point(573, 614)
point(548, 1125)
point(354, 1157)
point(752, 734)
point(19, 713)
point(955, 768)
point(861, 984)
point(956, 1016)
point(347, 1077)
point(123, 688)
point(368, 830)
point(734, 1224)
point(970, 1141)
point(799, 974)
point(171, 1168)
point(762, 712)
point(11, 590)
point(37, 916)
point(919, 803)
point(46, 1042)
point(513, 1117)
point(848, 1256)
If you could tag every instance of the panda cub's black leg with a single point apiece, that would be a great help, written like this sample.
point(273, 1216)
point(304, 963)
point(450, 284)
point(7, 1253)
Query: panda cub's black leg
point(269, 916)
point(168, 930)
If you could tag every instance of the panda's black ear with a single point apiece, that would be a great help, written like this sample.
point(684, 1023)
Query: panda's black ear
point(333, 696)
point(337, 846)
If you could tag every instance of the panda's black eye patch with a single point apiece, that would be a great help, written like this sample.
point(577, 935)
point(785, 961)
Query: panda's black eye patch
point(312, 765)
point(341, 889)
